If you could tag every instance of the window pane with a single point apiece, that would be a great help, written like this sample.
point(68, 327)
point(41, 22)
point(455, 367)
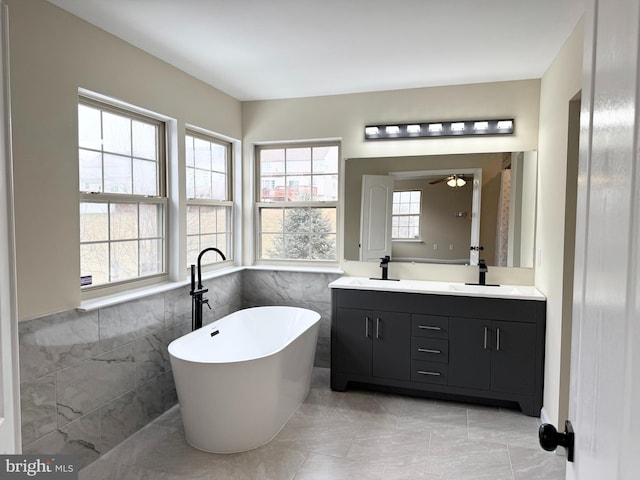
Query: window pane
point(150, 221)
point(208, 220)
point(272, 189)
point(271, 219)
point(116, 131)
point(191, 183)
point(124, 260)
point(414, 208)
point(219, 157)
point(124, 221)
point(193, 220)
point(144, 177)
point(150, 257)
point(298, 161)
point(202, 154)
point(89, 127)
point(272, 245)
point(415, 196)
point(207, 241)
point(203, 184)
point(325, 159)
point(271, 161)
point(221, 219)
point(144, 140)
point(297, 246)
point(297, 220)
point(323, 220)
point(219, 183)
point(90, 171)
point(117, 174)
point(323, 247)
point(193, 249)
point(325, 188)
point(94, 222)
point(190, 153)
point(299, 189)
point(94, 261)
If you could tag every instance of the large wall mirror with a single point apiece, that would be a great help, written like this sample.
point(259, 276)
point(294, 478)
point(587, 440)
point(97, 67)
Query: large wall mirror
point(440, 206)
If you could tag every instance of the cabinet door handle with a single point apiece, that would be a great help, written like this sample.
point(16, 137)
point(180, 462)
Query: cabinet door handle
point(486, 333)
point(366, 327)
point(428, 350)
point(377, 327)
point(497, 340)
point(433, 374)
point(428, 327)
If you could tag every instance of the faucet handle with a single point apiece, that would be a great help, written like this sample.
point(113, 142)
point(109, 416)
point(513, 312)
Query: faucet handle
point(205, 301)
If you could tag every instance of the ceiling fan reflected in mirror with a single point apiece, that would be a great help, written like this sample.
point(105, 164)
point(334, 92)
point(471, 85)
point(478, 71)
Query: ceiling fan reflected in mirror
point(454, 181)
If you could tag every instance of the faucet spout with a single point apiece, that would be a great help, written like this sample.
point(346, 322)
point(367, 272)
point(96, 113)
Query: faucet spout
point(210, 249)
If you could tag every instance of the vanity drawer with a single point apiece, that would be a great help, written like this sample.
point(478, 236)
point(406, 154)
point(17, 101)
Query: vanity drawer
point(429, 372)
point(433, 326)
point(430, 349)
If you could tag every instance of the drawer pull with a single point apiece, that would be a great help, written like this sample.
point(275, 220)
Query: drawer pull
point(428, 327)
point(366, 327)
point(433, 374)
point(428, 350)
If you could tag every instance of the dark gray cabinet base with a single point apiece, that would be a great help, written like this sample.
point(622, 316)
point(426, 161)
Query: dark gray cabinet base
point(465, 348)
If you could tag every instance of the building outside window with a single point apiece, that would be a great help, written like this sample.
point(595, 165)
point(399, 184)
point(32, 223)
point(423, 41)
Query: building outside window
point(123, 200)
point(405, 218)
point(298, 202)
point(209, 202)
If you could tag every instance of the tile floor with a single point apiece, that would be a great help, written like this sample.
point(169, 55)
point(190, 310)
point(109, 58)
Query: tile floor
point(349, 435)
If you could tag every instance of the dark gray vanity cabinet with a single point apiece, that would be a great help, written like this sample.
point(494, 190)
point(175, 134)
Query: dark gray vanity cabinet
point(447, 346)
point(374, 343)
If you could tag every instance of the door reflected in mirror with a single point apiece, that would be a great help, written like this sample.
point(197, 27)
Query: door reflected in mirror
point(437, 212)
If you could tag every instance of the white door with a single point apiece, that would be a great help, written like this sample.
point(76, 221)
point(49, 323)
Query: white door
point(605, 356)
point(9, 401)
point(375, 217)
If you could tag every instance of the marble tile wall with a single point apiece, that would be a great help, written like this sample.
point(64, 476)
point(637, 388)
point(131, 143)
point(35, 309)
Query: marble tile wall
point(91, 379)
point(299, 289)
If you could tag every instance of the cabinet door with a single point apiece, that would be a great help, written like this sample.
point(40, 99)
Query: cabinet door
point(469, 353)
point(513, 361)
point(391, 345)
point(353, 342)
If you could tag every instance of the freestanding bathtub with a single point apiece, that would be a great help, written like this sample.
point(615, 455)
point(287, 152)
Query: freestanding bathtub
point(241, 378)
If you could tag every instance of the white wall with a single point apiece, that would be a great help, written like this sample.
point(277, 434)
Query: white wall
point(53, 53)
point(344, 117)
point(561, 82)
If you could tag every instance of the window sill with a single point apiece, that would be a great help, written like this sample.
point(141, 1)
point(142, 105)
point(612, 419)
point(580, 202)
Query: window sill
point(122, 297)
point(297, 268)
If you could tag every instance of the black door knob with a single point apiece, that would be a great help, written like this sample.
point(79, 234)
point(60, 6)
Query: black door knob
point(550, 438)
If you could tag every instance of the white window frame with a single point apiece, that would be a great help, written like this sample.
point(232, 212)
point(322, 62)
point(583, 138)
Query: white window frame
point(418, 215)
point(106, 104)
point(228, 250)
point(261, 205)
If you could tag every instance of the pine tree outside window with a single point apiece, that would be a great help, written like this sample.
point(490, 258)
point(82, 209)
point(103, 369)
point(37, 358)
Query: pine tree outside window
point(298, 202)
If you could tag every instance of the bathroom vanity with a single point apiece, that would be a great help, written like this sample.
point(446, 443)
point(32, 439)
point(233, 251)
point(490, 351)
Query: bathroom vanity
point(447, 340)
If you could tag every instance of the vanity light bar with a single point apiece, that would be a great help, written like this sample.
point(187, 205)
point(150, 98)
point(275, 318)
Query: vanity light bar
point(439, 129)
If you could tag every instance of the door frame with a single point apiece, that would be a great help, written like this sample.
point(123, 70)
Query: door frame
point(10, 434)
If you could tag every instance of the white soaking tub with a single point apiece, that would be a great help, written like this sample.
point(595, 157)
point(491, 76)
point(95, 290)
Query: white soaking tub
point(241, 378)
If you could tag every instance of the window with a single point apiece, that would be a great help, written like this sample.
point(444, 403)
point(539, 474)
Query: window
point(209, 205)
point(122, 194)
point(298, 202)
point(405, 217)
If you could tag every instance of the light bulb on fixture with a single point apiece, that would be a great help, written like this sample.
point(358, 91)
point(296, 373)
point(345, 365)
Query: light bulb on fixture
point(456, 181)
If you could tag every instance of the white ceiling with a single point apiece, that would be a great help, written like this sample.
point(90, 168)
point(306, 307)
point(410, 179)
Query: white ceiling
point(265, 49)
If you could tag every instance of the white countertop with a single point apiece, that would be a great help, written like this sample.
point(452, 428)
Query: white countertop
point(519, 292)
